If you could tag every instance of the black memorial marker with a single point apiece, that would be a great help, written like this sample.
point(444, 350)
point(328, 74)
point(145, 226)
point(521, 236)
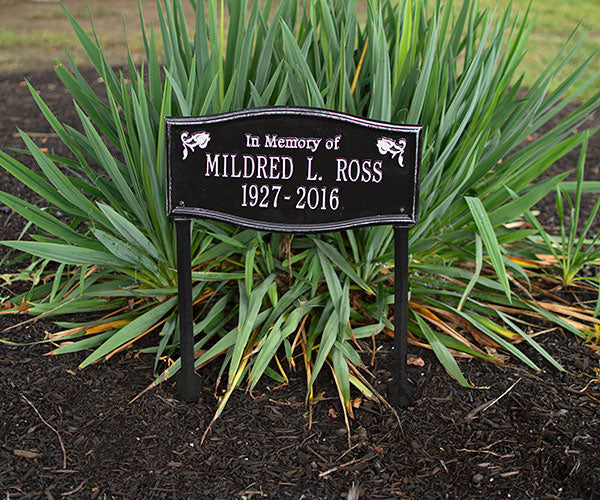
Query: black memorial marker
point(296, 170)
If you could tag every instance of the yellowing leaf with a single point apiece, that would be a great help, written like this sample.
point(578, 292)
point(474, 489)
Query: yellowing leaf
point(498, 329)
point(110, 325)
point(536, 264)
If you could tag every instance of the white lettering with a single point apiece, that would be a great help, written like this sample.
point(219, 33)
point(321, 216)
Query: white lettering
point(270, 141)
point(310, 176)
point(377, 171)
point(261, 169)
point(342, 165)
point(254, 166)
point(234, 164)
point(248, 166)
point(366, 171)
point(287, 167)
point(353, 163)
point(212, 165)
point(356, 170)
point(315, 198)
point(274, 165)
point(225, 156)
point(315, 144)
point(252, 141)
point(273, 141)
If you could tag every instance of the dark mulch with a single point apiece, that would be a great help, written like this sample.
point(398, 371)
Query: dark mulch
point(66, 433)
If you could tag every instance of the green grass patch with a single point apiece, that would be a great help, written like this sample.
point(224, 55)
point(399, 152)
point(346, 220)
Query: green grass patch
point(46, 15)
point(34, 40)
point(554, 22)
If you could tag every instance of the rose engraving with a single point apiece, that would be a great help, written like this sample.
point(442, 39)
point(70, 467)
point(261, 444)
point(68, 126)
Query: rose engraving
point(387, 145)
point(199, 139)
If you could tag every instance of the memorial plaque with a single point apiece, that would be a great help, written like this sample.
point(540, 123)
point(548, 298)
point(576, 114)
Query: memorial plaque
point(293, 169)
point(299, 170)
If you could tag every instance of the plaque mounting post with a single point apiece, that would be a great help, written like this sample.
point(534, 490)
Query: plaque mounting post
point(189, 383)
point(399, 389)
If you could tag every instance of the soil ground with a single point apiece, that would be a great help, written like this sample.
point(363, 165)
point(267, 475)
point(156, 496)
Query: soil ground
point(74, 434)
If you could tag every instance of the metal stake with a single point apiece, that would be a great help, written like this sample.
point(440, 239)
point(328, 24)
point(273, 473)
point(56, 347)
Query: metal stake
point(399, 389)
point(188, 382)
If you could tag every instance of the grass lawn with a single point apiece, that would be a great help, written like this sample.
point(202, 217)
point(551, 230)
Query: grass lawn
point(554, 23)
point(32, 33)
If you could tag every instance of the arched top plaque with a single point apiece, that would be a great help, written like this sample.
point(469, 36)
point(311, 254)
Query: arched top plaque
point(293, 169)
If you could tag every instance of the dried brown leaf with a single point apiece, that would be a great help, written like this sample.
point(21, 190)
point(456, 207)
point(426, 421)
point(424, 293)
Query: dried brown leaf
point(416, 361)
point(27, 454)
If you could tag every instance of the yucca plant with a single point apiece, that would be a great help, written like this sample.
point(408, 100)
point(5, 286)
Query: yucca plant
point(571, 250)
point(574, 248)
point(266, 303)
